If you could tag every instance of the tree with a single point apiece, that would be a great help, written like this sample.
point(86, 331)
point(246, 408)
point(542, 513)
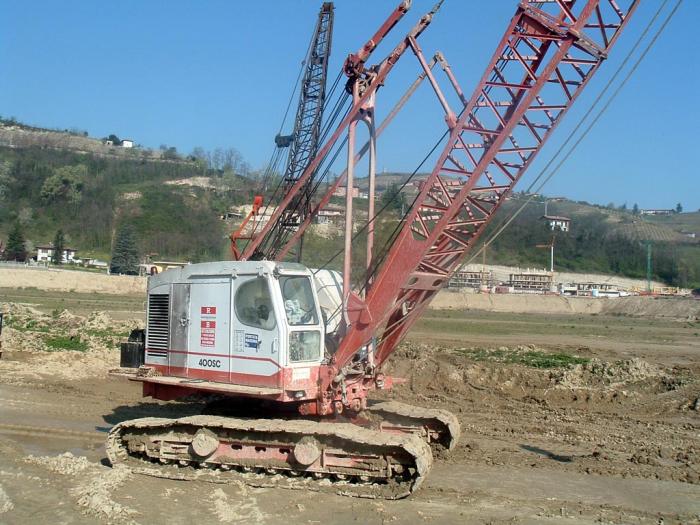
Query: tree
point(392, 198)
point(66, 184)
point(58, 247)
point(15, 250)
point(199, 153)
point(635, 209)
point(116, 141)
point(5, 178)
point(679, 208)
point(171, 153)
point(125, 253)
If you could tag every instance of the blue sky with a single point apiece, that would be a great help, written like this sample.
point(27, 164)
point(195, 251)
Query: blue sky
point(219, 74)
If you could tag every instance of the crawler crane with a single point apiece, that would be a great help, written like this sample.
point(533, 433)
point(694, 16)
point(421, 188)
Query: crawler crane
point(294, 352)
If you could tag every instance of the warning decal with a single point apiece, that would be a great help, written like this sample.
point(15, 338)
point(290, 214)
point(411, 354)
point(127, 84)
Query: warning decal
point(208, 327)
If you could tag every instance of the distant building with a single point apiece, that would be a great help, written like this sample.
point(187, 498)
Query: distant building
point(592, 290)
point(330, 214)
point(657, 212)
point(44, 254)
point(231, 215)
point(155, 267)
point(127, 143)
point(531, 281)
point(464, 278)
point(557, 222)
point(340, 192)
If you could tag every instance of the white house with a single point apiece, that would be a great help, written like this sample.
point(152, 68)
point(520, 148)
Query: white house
point(127, 143)
point(44, 253)
point(656, 212)
point(340, 192)
point(557, 223)
point(330, 214)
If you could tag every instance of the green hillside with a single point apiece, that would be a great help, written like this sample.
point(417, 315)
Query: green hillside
point(600, 240)
point(682, 223)
point(88, 196)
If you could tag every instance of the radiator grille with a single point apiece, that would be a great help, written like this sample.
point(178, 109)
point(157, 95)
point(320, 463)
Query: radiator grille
point(158, 322)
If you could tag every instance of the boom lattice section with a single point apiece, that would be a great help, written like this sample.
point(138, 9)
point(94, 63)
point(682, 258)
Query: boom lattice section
point(549, 52)
point(304, 140)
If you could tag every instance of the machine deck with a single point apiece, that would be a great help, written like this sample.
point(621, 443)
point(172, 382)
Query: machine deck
point(209, 386)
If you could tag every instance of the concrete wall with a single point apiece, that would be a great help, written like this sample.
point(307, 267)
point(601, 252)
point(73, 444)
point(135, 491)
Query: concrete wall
point(71, 281)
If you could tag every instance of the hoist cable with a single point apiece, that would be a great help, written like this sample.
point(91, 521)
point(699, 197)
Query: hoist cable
point(504, 224)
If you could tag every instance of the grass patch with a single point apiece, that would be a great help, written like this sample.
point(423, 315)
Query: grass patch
point(105, 333)
point(64, 342)
point(29, 326)
point(531, 358)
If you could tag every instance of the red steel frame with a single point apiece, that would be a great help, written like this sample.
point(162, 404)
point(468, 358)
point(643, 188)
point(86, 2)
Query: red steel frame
point(545, 54)
point(238, 233)
point(354, 66)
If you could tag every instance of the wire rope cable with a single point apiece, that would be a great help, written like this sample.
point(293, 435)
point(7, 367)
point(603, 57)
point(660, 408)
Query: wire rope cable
point(506, 222)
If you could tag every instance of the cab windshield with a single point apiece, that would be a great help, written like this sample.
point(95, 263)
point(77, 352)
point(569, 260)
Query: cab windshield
point(298, 300)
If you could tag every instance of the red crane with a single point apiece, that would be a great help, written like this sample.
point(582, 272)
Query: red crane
point(493, 137)
point(268, 315)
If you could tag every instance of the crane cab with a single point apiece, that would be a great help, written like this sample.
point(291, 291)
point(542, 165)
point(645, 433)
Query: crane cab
point(253, 324)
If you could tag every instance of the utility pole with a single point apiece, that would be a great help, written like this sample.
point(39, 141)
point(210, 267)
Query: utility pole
point(649, 266)
point(551, 252)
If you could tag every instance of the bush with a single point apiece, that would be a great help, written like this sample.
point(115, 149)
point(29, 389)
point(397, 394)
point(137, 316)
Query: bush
point(64, 342)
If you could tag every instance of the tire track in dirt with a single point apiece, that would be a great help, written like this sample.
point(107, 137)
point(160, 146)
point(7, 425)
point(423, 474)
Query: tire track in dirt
point(48, 432)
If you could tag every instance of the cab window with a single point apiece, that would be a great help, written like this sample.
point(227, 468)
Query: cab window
point(253, 304)
point(298, 299)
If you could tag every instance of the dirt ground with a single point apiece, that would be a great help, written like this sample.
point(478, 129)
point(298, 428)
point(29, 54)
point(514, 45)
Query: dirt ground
point(635, 306)
point(568, 418)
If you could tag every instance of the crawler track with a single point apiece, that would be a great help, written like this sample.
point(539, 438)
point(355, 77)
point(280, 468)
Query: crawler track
point(336, 457)
point(434, 425)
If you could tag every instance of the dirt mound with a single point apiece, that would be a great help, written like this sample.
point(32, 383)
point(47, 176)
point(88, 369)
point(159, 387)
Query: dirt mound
point(66, 464)
point(462, 375)
point(99, 321)
point(62, 344)
point(465, 375)
point(604, 375)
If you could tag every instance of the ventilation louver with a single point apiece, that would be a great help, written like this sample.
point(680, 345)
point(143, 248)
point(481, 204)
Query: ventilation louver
point(158, 332)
